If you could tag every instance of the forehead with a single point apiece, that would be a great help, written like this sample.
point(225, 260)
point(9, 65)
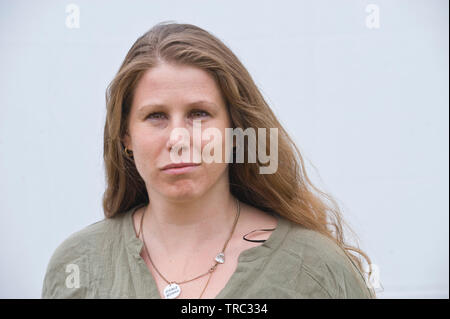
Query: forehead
point(176, 84)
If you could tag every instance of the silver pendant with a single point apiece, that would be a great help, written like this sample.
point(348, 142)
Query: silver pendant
point(220, 258)
point(172, 291)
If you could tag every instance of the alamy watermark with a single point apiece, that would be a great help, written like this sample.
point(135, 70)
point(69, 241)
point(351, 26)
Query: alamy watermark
point(373, 19)
point(373, 281)
point(215, 145)
point(73, 279)
point(73, 17)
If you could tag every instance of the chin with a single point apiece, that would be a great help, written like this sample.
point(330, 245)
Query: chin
point(182, 197)
point(183, 192)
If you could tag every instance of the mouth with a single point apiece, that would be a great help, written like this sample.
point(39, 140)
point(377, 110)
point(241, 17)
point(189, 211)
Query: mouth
point(180, 168)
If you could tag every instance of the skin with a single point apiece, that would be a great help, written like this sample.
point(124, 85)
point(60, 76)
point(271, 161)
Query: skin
point(190, 209)
point(189, 216)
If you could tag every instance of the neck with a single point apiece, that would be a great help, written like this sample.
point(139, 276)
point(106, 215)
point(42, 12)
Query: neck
point(182, 227)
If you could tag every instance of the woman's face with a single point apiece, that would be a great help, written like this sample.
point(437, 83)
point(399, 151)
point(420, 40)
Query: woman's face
point(173, 96)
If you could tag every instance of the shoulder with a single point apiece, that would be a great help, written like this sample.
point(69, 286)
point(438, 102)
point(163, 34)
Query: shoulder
point(322, 265)
point(69, 271)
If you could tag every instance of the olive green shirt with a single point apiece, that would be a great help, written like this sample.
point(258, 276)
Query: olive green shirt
point(103, 261)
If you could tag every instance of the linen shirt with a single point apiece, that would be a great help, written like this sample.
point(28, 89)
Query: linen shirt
point(103, 260)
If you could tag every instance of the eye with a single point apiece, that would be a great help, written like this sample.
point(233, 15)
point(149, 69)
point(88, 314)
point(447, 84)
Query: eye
point(155, 115)
point(199, 113)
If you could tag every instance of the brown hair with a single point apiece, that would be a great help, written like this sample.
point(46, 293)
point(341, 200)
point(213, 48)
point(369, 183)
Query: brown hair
point(288, 192)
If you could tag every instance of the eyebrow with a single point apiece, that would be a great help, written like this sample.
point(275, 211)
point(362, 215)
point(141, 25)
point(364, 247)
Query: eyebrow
point(143, 108)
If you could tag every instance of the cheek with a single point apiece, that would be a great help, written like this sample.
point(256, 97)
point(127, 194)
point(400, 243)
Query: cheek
point(211, 174)
point(214, 138)
point(147, 152)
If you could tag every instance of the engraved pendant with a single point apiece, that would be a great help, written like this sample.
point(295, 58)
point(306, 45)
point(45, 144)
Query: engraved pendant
point(172, 291)
point(220, 258)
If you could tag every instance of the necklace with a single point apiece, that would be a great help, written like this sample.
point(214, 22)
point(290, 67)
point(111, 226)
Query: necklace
point(173, 290)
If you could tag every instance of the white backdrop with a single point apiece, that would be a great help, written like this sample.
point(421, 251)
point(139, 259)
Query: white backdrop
point(366, 103)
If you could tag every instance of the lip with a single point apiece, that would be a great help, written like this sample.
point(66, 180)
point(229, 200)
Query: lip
point(180, 168)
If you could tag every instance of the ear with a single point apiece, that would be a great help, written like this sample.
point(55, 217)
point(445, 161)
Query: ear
point(127, 141)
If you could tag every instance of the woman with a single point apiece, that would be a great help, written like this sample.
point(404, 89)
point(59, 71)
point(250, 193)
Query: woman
point(200, 229)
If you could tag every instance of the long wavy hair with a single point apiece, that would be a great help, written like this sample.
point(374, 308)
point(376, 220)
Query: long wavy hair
point(288, 192)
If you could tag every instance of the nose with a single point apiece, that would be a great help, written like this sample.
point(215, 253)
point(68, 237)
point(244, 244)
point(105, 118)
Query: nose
point(182, 142)
point(179, 134)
